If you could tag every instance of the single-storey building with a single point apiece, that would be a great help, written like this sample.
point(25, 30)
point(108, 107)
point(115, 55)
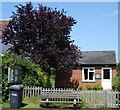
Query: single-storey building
point(96, 67)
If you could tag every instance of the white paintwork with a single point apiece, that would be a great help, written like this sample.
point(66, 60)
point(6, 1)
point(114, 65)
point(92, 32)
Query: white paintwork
point(107, 83)
point(14, 94)
point(83, 80)
point(8, 74)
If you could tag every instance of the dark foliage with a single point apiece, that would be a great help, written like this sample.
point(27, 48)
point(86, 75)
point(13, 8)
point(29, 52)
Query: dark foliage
point(43, 34)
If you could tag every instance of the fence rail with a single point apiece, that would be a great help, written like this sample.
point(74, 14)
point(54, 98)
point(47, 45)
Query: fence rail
point(100, 98)
point(31, 92)
point(36, 91)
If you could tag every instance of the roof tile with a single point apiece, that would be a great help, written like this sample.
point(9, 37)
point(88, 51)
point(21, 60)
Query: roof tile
point(98, 57)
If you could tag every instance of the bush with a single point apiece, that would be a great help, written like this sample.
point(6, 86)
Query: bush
point(116, 83)
point(98, 87)
point(116, 80)
point(89, 87)
point(81, 105)
point(32, 74)
point(80, 88)
point(52, 81)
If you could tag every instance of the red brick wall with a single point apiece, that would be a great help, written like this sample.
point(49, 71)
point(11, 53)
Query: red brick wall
point(76, 77)
point(113, 72)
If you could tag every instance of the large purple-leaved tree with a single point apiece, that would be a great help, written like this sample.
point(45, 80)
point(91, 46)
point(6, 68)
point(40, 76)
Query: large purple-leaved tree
point(43, 34)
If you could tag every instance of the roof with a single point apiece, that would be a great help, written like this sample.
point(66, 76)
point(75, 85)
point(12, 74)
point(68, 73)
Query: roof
point(97, 58)
point(3, 23)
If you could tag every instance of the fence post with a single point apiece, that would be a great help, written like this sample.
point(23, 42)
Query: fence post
point(106, 99)
point(117, 99)
point(40, 90)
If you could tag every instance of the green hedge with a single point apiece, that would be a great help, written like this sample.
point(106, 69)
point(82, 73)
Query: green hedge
point(116, 83)
point(33, 75)
point(97, 87)
point(94, 87)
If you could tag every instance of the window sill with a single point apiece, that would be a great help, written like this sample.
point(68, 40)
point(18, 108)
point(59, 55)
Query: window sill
point(89, 81)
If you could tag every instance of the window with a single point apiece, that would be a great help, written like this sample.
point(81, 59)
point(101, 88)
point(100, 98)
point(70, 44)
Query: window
point(106, 74)
point(88, 74)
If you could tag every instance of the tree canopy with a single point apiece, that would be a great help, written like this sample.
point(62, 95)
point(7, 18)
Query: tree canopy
point(43, 34)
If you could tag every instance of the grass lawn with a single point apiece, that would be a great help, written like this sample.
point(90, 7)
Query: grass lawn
point(34, 103)
point(31, 103)
point(0, 91)
point(26, 103)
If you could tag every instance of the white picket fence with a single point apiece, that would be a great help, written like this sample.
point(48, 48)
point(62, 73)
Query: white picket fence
point(101, 98)
point(29, 92)
point(92, 98)
point(36, 91)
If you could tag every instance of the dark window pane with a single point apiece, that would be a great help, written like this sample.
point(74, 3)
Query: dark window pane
point(85, 74)
point(91, 69)
point(106, 74)
point(91, 75)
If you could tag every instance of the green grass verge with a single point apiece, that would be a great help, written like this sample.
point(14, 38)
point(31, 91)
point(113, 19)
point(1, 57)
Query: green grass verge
point(56, 105)
point(26, 103)
point(31, 103)
point(63, 105)
point(34, 103)
point(0, 106)
point(6, 105)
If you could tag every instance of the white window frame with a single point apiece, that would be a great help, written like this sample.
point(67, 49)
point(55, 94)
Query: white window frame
point(83, 80)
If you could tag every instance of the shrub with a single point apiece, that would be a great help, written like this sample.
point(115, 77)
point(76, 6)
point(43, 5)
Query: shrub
point(116, 83)
point(80, 88)
point(97, 87)
point(81, 105)
point(52, 81)
point(33, 75)
point(89, 87)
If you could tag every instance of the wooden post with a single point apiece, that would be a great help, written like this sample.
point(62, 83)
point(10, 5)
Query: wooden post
point(106, 99)
point(38, 91)
point(47, 104)
point(33, 91)
point(25, 92)
point(74, 104)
